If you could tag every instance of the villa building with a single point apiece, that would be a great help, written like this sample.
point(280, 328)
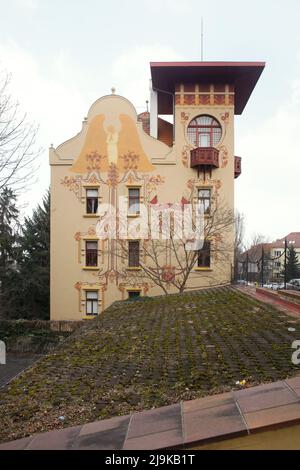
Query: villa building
point(180, 153)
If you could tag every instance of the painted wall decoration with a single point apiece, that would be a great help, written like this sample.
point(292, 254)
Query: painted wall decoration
point(112, 141)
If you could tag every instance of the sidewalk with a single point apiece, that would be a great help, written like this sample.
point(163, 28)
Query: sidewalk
point(269, 297)
point(195, 422)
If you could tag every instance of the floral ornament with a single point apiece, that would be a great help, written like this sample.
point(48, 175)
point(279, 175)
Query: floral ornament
point(94, 161)
point(73, 184)
point(91, 232)
point(153, 182)
point(77, 236)
point(184, 116)
point(223, 156)
point(185, 155)
point(113, 175)
point(131, 161)
point(78, 285)
point(225, 117)
point(168, 273)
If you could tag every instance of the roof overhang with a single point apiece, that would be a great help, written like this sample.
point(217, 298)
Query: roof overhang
point(243, 75)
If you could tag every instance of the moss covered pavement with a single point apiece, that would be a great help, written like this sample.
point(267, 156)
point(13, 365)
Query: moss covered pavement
point(144, 354)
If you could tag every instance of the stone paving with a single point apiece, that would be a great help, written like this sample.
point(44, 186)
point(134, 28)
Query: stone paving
point(194, 422)
point(15, 363)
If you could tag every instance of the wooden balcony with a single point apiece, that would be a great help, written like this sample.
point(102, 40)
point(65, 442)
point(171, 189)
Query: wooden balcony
point(237, 166)
point(205, 157)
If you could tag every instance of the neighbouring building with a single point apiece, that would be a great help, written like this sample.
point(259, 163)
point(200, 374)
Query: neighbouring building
point(181, 152)
point(250, 263)
point(277, 252)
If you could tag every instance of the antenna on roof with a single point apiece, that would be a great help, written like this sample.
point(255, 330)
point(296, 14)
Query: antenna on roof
point(201, 38)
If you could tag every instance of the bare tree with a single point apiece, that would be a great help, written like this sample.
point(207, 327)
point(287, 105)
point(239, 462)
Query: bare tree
point(18, 151)
point(239, 234)
point(170, 260)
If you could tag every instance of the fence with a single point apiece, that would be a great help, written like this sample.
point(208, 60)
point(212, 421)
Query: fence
point(263, 269)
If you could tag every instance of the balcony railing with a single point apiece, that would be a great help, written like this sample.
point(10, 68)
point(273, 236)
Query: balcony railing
point(237, 166)
point(205, 157)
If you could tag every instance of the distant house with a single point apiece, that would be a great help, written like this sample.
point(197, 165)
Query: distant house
point(277, 251)
point(273, 259)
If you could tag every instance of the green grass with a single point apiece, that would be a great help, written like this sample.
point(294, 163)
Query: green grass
point(147, 354)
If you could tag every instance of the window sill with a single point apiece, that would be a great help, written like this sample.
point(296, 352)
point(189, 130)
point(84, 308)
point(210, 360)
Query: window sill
point(202, 269)
point(90, 215)
point(89, 317)
point(133, 268)
point(91, 268)
point(134, 215)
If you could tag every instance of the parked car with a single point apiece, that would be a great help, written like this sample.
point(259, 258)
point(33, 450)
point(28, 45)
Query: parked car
point(294, 284)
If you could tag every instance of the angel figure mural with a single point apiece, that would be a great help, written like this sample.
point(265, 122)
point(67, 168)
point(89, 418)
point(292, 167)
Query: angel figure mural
point(112, 140)
point(112, 145)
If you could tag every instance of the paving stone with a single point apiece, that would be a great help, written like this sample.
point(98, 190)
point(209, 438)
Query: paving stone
point(159, 440)
point(61, 439)
point(273, 417)
point(108, 434)
point(19, 444)
point(208, 402)
point(155, 421)
point(265, 396)
point(208, 423)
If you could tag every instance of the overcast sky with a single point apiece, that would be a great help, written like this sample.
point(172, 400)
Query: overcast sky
point(64, 54)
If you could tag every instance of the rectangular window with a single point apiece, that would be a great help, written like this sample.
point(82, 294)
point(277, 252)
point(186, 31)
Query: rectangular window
point(133, 254)
point(277, 253)
point(204, 256)
point(133, 294)
point(91, 302)
point(277, 264)
point(91, 201)
point(204, 199)
point(91, 253)
point(133, 201)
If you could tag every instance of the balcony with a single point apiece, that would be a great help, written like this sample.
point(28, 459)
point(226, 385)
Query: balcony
point(237, 166)
point(205, 157)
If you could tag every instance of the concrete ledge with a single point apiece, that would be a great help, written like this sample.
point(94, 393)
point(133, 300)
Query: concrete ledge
point(194, 422)
point(278, 298)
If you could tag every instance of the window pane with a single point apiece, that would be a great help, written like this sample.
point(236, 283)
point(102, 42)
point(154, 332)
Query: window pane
point(133, 294)
point(92, 193)
point(91, 302)
point(91, 245)
point(204, 256)
point(92, 295)
point(133, 200)
point(95, 307)
point(204, 131)
point(133, 254)
point(88, 307)
point(91, 205)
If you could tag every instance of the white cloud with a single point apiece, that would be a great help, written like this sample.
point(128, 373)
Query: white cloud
point(268, 190)
point(30, 4)
point(57, 107)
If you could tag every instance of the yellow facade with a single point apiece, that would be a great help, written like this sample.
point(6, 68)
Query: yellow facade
point(111, 154)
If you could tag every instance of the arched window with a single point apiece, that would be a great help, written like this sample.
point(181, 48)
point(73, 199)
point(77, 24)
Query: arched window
point(204, 131)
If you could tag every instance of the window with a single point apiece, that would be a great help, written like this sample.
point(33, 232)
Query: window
point(204, 131)
point(133, 254)
point(277, 264)
point(277, 253)
point(133, 201)
point(91, 302)
point(91, 201)
point(133, 294)
point(91, 253)
point(204, 198)
point(204, 256)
